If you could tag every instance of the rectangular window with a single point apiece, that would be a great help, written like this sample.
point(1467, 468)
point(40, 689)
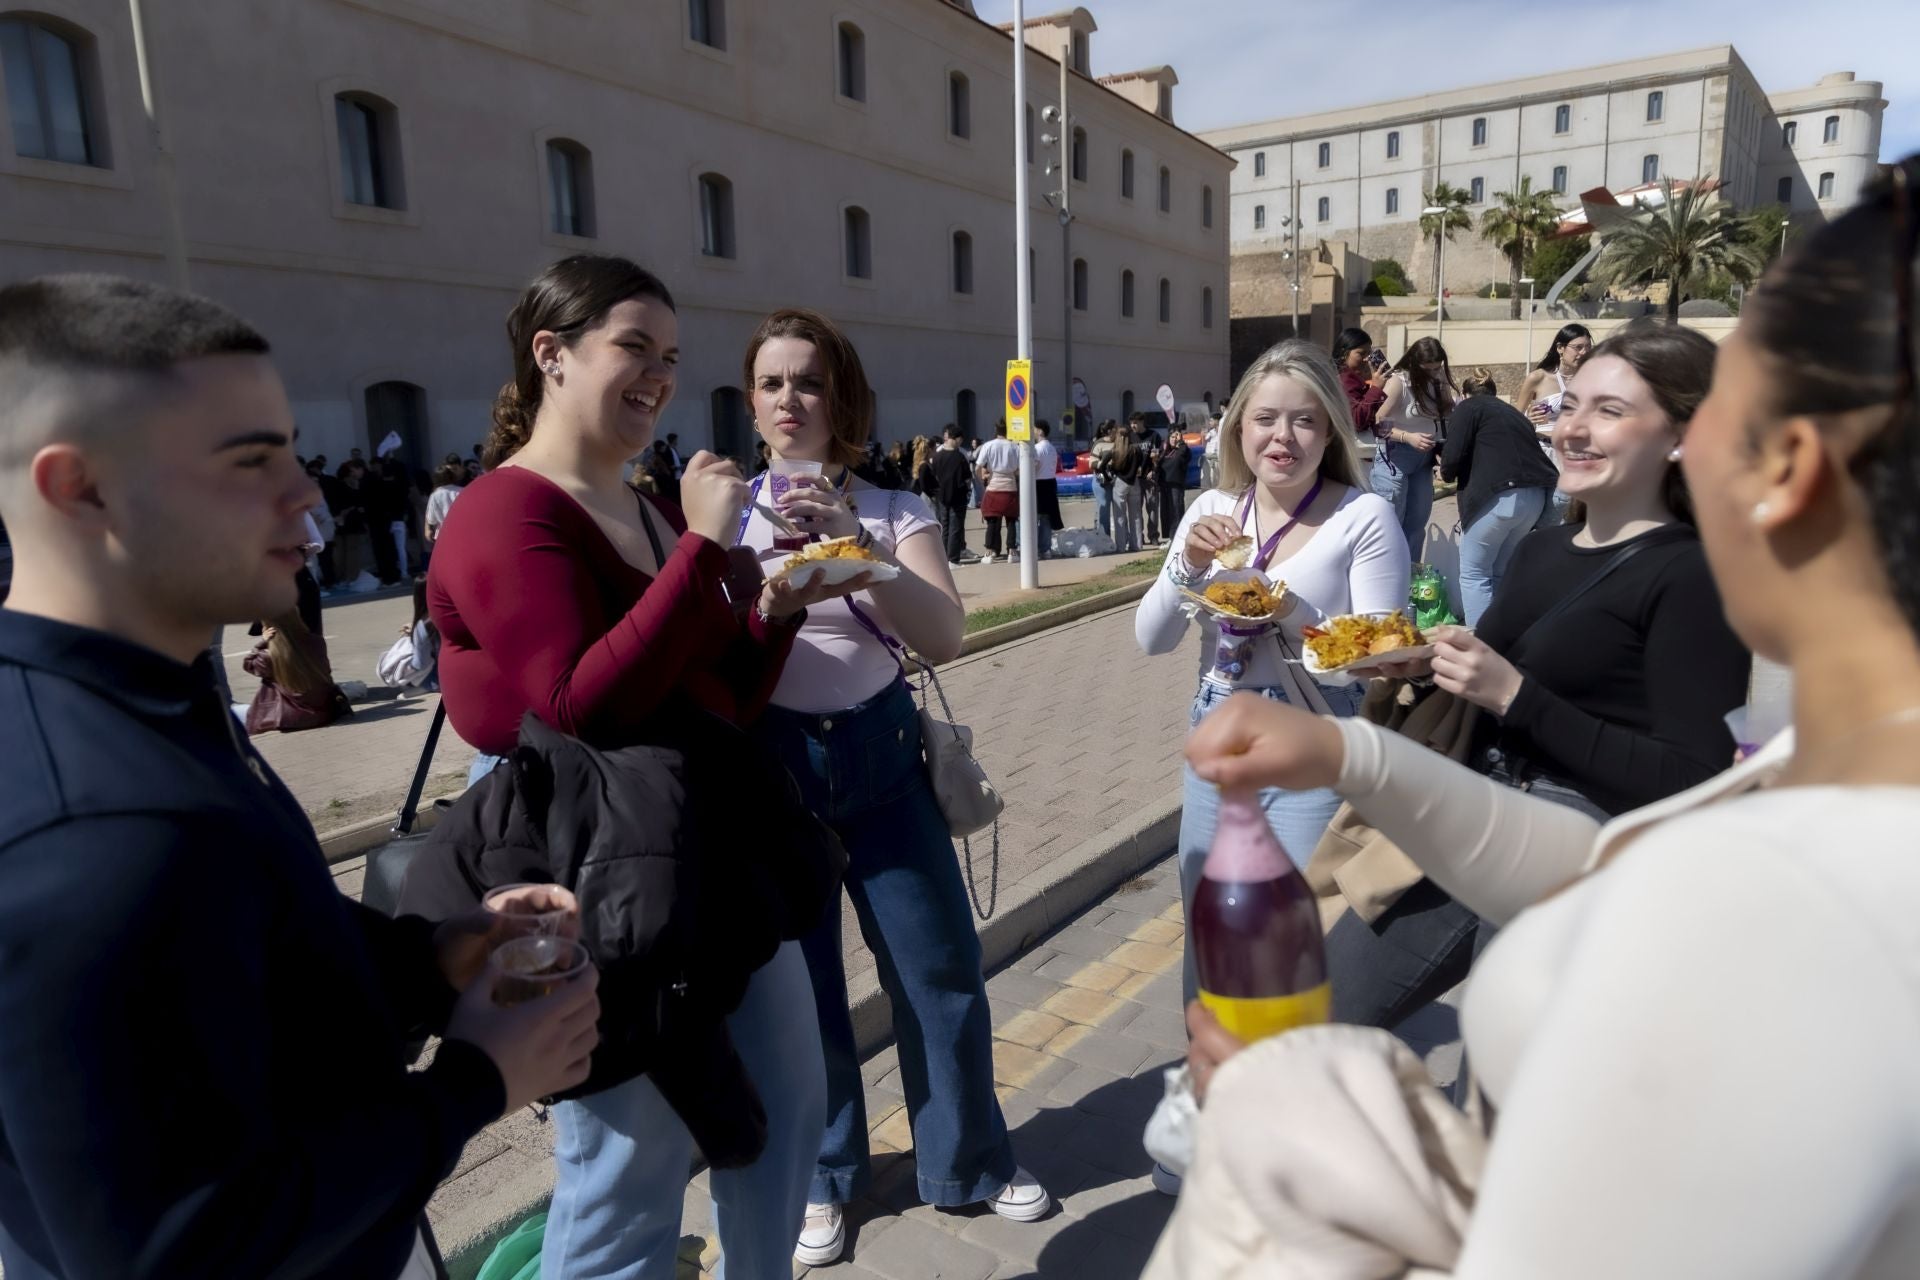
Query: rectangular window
point(1789, 132)
point(1126, 175)
point(859, 244)
point(959, 106)
point(568, 179)
point(1560, 179)
point(1206, 206)
point(1393, 201)
point(1029, 133)
point(1784, 192)
point(1393, 145)
point(46, 93)
point(1479, 131)
point(1259, 217)
point(1259, 164)
point(362, 176)
point(1166, 301)
point(707, 22)
point(853, 62)
point(1326, 209)
point(1206, 308)
point(1649, 168)
point(1656, 106)
point(1477, 191)
point(962, 262)
point(1563, 118)
point(1326, 154)
point(1079, 155)
point(1830, 132)
point(1166, 190)
point(716, 216)
point(1165, 109)
point(1079, 284)
point(1082, 55)
point(1126, 295)
point(1826, 186)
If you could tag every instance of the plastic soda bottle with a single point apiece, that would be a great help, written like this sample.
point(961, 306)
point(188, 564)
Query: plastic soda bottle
point(1255, 927)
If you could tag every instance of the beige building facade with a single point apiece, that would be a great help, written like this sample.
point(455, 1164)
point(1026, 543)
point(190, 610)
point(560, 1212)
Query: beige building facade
point(372, 182)
point(1363, 171)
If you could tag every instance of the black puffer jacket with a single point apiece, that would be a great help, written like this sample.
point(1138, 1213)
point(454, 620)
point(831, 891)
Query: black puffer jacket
point(693, 857)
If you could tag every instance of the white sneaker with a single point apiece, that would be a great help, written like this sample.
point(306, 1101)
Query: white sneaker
point(1022, 1200)
point(822, 1235)
point(1165, 1180)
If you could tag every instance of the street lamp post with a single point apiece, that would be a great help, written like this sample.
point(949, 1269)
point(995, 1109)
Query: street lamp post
point(1528, 281)
point(1440, 310)
point(1023, 311)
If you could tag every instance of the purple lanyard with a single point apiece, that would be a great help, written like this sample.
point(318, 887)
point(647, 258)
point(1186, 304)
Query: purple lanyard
point(746, 512)
point(1268, 547)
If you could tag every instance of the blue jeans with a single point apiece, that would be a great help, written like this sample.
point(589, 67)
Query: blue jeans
point(860, 770)
point(623, 1154)
point(1488, 546)
point(1102, 508)
point(1298, 818)
point(1408, 484)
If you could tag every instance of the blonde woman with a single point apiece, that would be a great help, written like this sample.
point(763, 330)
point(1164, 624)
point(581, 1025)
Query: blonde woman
point(1290, 480)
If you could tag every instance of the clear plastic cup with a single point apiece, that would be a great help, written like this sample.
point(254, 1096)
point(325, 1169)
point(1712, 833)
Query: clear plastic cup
point(534, 908)
point(534, 966)
point(780, 475)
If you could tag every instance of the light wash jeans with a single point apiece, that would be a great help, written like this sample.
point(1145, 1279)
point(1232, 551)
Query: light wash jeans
point(1298, 818)
point(1404, 476)
point(1126, 516)
point(1102, 508)
point(623, 1154)
point(1488, 546)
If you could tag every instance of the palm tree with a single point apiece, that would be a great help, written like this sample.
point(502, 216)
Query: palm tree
point(1692, 240)
point(1453, 200)
point(1517, 221)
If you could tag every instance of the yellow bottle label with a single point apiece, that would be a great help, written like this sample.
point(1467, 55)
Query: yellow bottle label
point(1257, 1018)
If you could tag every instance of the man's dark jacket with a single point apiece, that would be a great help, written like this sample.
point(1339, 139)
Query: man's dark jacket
point(693, 857)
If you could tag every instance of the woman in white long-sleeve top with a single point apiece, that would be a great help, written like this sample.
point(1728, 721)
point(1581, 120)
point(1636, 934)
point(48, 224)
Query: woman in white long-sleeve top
point(1701, 1029)
point(1290, 480)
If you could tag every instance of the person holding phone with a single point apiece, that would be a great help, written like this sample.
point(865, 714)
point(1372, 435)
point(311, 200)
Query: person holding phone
point(1363, 376)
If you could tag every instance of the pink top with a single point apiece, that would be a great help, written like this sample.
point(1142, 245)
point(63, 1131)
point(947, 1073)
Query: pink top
point(835, 662)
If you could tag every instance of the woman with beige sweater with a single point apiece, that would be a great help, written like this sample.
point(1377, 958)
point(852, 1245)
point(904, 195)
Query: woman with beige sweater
point(1700, 1026)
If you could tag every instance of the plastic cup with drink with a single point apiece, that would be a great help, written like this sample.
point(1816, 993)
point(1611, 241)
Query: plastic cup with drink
point(535, 965)
point(534, 909)
point(780, 476)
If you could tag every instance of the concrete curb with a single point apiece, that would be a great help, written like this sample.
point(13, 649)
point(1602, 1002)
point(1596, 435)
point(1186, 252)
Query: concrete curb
point(1027, 911)
point(357, 838)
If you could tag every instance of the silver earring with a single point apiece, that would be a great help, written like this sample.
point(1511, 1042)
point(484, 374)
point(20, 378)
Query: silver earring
point(553, 369)
point(1674, 454)
point(1760, 512)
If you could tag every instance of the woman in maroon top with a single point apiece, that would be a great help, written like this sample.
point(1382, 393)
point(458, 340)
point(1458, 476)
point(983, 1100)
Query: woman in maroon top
point(559, 589)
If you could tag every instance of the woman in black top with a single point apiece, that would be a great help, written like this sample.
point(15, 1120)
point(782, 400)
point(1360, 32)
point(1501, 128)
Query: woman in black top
point(1504, 484)
point(1604, 667)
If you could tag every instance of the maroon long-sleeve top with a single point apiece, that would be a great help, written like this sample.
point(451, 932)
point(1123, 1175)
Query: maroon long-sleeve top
point(1365, 401)
point(537, 610)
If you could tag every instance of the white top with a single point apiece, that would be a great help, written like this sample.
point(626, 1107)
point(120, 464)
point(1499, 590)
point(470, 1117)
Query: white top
point(1356, 562)
point(836, 663)
point(1408, 414)
point(1704, 1054)
point(439, 502)
point(1046, 460)
point(999, 455)
point(1213, 442)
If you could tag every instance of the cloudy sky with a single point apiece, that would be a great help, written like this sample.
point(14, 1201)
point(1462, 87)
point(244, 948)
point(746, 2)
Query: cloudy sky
point(1245, 60)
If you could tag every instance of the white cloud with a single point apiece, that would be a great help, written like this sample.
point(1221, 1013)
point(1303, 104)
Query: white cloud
point(1248, 60)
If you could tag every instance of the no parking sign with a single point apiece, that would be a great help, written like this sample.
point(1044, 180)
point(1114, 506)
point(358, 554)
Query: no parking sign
point(1019, 400)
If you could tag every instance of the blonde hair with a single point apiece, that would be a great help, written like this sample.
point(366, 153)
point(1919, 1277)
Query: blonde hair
point(1313, 369)
point(296, 667)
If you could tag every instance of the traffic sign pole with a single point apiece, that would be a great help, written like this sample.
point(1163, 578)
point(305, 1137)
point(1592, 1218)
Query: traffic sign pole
point(1023, 311)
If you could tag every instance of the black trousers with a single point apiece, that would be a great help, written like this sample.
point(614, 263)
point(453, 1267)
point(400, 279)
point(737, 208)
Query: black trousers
point(953, 528)
point(993, 535)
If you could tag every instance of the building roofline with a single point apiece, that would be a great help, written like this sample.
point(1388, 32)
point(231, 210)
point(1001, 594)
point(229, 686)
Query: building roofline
point(1657, 69)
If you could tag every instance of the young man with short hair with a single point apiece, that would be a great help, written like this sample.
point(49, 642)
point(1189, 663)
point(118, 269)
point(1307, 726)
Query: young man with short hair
point(203, 1068)
point(953, 488)
point(998, 464)
point(1046, 487)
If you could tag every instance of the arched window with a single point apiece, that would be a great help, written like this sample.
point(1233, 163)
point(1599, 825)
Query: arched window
point(1259, 164)
point(716, 216)
point(1079, 284)
point(959, 106)
point(1206, 206)
point(852, 62)
point(48, 67)
point(1079, 155)
point(399, 408)
point(1126, 407)
point(962, 262)
point(1830, 131)
point(1560, 179)
point(1126, 294)
point(1166, 301)
point(1166, 189)
point(1563, 118)
point(570, 188)
point(966, 412)
point(1479, 131)
point(369, 151)
point(859, 244)
point(1126, 174)
point(732, 428)
point(1259, 217)
point(1649, 169)
point(1325, 208)
point(1784, 191)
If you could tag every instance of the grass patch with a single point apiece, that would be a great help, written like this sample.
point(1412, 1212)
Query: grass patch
point(1053, 597)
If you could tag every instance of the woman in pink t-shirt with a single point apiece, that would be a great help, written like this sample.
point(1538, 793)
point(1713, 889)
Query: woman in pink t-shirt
point(844, 721)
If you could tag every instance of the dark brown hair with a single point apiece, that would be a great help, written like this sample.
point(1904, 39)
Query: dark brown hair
point(1435, 395)
point(1676, 363)
point(570, 297)
point(1827, 326)
point(849, 398)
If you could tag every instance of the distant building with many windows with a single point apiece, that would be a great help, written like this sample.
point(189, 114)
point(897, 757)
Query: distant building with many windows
point(373, 181)
point(1363, 171)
